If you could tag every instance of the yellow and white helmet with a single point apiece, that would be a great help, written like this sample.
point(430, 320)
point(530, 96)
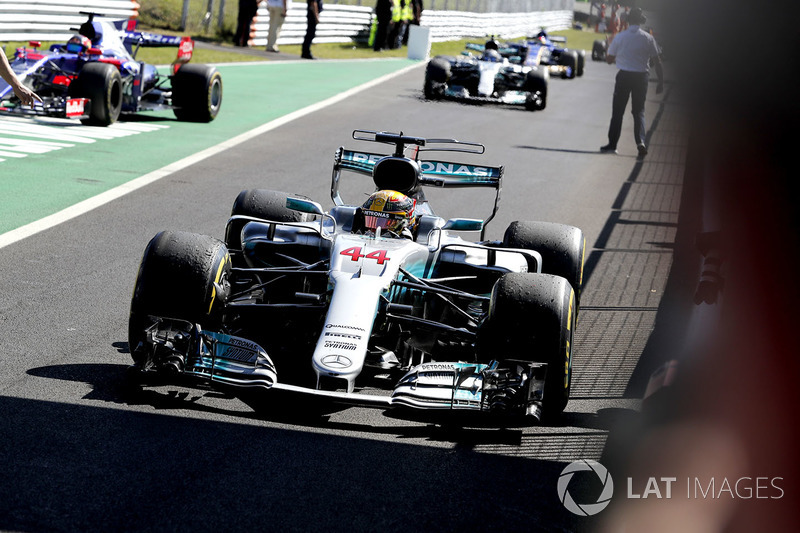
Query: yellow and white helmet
point(389, 210)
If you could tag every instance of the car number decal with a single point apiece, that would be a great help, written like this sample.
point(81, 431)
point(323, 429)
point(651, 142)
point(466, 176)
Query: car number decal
point(355, 253)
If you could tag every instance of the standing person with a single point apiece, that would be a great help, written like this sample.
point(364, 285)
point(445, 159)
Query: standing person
point(312, 18)
point(247, 10)
point(383, 14)
point(394, 29)
point(632, 50)
point(25, 95)
point(277, 15)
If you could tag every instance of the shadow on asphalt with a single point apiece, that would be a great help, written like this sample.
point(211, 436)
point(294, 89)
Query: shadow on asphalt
point(84, 468)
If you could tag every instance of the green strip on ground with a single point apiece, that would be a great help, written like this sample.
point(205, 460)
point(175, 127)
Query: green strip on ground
point(40, 185)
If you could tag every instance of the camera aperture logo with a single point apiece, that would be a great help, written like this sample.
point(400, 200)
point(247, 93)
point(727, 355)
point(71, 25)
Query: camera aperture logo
point(585, 509)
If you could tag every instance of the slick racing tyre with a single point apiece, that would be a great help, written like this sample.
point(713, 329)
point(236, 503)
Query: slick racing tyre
point(261, 203)
point(437, 72)
point(599, 51)
point(183, 276)
point(581, 61)
point(562, 248)
point(532, 318)
point(196, 93)
point(569, 59)
point(102, 84)
point(536, 86)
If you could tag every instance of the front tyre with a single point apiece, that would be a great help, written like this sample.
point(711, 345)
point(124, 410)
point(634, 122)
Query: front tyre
point(437, 73)
point(182, 276)
point(536, 81)
point(102, 84)
point(196, 93)
point(532, 317)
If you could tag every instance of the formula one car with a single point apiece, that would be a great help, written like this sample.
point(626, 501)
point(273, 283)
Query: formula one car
point(381, 304)
point(546, 50)
point(489, 77)
point(95, 77)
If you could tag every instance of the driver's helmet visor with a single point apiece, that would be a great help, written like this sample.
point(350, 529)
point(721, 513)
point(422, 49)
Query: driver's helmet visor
point(388, 221)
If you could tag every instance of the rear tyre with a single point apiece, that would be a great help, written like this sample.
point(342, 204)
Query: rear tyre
point(102, 84)
point(196, 93)
point(183, 276)
point(532, 317)
point(562, 248)
point(261, 203)
point(599, 51)
point(536, 86)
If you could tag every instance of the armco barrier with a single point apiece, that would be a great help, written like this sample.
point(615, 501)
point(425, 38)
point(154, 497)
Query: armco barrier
point(51, 20)
point(342, 24)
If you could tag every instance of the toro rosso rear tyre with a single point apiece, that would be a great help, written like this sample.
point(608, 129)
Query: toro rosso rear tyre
point(102, 84)
point(196, 93)
point(532, 317)
point(569, 59)
point(536, 86)
point(261, 203)
point(562, 248)
point(183, 276)
point(436, 75)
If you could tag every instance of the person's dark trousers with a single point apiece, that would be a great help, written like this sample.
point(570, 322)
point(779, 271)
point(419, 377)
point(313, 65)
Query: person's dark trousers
point(381, 34)
point(247, 10)
point(311, 31)
point(633, 84)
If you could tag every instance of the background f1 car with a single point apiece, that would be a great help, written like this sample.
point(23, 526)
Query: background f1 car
point(317, 303)
point(489, 77)
point(98, 82)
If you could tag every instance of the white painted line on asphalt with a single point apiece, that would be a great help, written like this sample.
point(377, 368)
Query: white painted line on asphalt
point(94, 202)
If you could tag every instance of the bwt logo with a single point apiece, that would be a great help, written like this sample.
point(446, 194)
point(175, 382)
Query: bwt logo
point(586, 509)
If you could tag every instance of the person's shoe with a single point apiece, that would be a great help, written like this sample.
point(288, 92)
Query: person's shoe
point(307, 56)
point(608, 149)
point(272, 49)
point(642, 150)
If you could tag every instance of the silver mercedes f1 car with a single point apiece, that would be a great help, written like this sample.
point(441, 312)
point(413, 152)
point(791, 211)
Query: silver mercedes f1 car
point(383, 304)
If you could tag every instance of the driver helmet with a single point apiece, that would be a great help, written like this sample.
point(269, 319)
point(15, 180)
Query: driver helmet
point(389, 210)
point(491, 44)
point(493, 56)
point(78, 44)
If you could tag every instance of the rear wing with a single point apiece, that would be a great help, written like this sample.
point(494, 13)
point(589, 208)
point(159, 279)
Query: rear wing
point(434, 173)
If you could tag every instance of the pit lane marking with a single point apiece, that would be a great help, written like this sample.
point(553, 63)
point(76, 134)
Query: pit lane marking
point(20, 136)
point(110, 195)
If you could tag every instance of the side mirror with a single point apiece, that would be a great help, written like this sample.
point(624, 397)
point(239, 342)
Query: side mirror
point(464, 224)
point(304, 206)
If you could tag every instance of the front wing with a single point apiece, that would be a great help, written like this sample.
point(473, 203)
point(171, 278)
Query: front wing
point(510, 387)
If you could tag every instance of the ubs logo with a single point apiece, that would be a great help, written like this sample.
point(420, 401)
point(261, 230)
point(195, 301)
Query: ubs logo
point(336, 361)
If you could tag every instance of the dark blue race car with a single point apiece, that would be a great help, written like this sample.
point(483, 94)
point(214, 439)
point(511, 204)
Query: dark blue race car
point(546, 50)
point(95, 77)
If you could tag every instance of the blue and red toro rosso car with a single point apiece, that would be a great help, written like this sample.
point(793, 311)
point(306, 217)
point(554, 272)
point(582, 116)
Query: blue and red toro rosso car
point(544, 49)
point(95, 77)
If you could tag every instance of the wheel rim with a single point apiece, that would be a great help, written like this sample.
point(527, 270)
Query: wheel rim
point(215, 95)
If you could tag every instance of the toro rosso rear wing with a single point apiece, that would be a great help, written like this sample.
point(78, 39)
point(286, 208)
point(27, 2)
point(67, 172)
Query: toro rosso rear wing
point(433, 173)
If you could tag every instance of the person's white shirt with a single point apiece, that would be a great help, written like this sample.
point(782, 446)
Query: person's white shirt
point(633, 49)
